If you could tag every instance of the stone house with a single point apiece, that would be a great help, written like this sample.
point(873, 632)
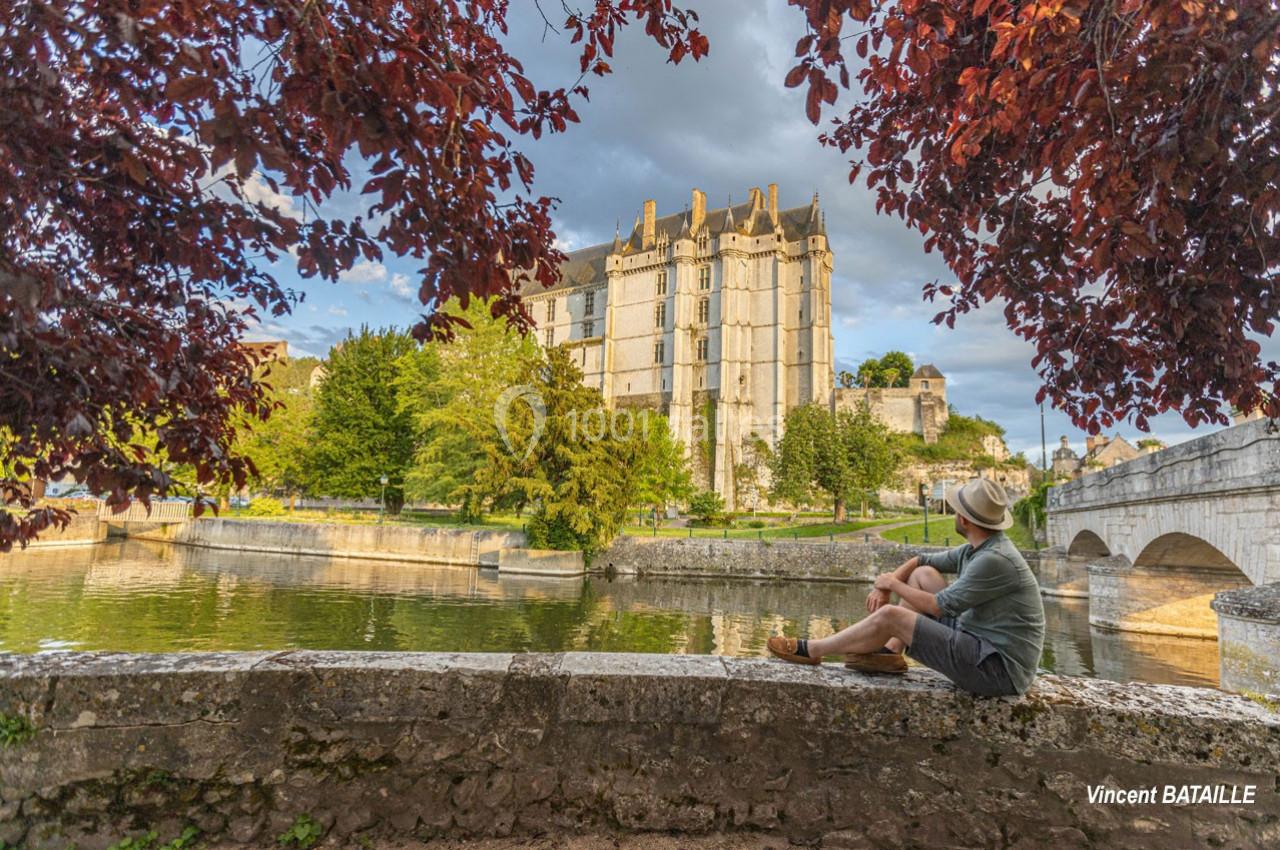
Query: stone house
point(1101, 452)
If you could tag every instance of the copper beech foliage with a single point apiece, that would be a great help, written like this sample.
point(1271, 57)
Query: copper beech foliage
point(1107, 168)
point(137, 141)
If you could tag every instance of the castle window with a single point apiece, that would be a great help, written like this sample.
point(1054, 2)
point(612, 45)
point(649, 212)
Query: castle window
point(924, 385)
point(702, 349)
point(704, 278)
point(703, 241)
point(588, 328)
point(589, 303)
point(802, 314)
point(660, 316)
point(659, 352)
point(551, 335)
point(551, 309)
point(662, 283)
point(704, 309)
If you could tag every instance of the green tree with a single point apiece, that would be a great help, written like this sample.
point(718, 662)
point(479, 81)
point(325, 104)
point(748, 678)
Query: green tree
point(449, 392)
point(894, 369)
point(663, 474)
point(580, 474)
point(707, 507)
point(279, 446)
point(847, 455)
point(870, 455)
point(359, 433)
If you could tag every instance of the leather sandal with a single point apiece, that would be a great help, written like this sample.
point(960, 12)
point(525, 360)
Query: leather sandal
point(883, 661)
point(786, 647)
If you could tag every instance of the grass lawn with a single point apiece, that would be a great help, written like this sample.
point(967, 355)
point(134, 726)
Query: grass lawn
point(783, 531)
point(942, 532)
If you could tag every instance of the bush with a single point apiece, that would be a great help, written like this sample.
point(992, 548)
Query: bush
point(707, 507)
point(757, 523)
point(264, 506)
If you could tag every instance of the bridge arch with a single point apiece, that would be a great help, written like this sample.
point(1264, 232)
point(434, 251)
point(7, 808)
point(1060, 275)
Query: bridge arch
point(1167, 588)
point(1088, 544)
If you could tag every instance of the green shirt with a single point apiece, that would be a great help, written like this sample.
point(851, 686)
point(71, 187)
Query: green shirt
point(997, 597)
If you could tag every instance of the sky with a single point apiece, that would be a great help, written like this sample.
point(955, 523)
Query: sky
point(723, 125)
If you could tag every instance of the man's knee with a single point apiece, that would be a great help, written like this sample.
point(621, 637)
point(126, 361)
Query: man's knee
point(926, 578)
point(896, 619)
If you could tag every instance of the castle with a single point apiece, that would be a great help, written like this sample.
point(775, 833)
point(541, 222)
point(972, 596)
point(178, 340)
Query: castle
point(719, 318)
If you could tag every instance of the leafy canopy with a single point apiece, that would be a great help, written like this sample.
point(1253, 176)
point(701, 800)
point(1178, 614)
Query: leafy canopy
point(1108, 170)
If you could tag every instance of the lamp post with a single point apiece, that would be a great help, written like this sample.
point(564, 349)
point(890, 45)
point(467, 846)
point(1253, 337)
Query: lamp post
point(382, 503)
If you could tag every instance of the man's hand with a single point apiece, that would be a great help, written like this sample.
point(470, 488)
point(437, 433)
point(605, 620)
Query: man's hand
point(877, 599)
point(887, 582)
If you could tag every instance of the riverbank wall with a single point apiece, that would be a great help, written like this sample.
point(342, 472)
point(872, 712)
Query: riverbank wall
point(370, 542)
point(394, 746)
point(84, 530)
point(809, 560)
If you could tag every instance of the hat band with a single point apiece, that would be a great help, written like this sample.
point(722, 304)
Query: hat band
point(964, 503)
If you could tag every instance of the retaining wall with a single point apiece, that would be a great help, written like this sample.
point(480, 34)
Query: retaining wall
point(795, 559)
point(83, 530)
point(382, 746)
point(377, 542)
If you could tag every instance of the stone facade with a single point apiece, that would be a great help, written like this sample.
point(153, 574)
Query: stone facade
point(918, 408)
point(720, 318)
point(379, 749)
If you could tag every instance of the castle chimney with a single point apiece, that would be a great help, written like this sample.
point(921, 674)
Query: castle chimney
point(650, 217)
point(699, 210)
point(773, 203)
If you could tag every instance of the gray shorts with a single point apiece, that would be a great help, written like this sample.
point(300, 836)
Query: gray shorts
point(971, 662)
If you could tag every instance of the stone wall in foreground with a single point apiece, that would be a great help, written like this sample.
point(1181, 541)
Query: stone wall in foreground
point(376, 746)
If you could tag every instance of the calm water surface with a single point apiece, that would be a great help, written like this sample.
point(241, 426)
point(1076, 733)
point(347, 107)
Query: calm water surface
point(151, 597)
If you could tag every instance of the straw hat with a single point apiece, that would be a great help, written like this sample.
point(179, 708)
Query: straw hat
point(983, 502)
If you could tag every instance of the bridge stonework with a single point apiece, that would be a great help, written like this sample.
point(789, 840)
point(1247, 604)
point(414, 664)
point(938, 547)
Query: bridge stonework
point(1150, 541)
point(1222, 490)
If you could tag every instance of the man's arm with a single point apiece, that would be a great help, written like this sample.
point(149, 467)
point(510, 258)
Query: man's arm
point(889, 583)
point(919, 599)
point(989, 576)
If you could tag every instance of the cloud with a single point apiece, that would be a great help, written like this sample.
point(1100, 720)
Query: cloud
point(337, 311)
point(364, 272)
point(256, 190)
point(402, 289)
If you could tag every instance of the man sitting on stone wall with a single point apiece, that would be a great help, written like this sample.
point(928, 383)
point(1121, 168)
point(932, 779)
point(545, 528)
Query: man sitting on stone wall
point(985, 632)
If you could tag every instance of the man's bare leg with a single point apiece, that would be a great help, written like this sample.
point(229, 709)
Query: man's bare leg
point(925, 578)
point(868, 635)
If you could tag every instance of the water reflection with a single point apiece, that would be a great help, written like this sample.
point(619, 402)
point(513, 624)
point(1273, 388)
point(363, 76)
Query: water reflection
point(148, 597)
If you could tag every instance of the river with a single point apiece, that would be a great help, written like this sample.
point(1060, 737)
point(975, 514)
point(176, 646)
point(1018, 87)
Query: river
point(140, 596)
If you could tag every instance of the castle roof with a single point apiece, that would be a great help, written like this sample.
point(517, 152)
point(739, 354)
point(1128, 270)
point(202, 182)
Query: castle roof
point(927, 370)
point(586, 266)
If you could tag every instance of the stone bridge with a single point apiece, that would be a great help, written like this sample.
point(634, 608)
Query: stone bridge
point(1151, 540)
